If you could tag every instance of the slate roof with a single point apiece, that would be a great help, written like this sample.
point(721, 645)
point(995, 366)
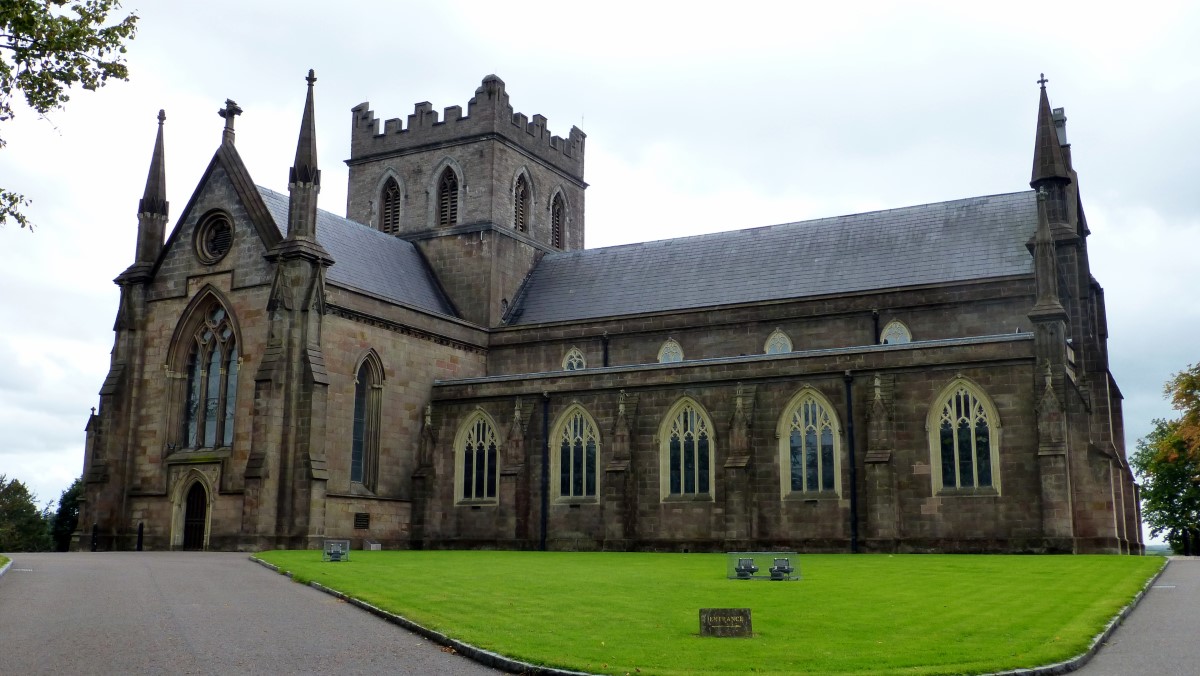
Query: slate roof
point(961, 240)
point(365, 259)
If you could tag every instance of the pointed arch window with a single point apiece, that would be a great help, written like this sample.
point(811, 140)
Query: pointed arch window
point(575, 463)
point(670, 352)
point(557, 217)
point(895, 333)
point(521, 205)
point(574, 361)
point(809, 446)
point(364, 442)
point(686, 453)
point(447, 195)
point(964, 440)
point(389, 215)
point(777, 343)
point(477, 458)
point(212, 370)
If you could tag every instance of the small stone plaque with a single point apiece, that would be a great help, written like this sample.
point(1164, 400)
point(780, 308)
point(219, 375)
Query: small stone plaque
point(725, 622)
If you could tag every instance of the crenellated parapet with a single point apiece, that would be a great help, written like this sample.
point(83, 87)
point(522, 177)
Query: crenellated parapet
point(488, 112)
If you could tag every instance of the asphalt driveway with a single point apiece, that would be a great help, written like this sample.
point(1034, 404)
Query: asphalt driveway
point(192, 613)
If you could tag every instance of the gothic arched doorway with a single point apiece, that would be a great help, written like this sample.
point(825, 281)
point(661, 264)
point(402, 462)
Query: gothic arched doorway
point(195, 513)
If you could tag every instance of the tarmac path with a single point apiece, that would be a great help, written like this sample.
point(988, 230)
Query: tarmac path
point(1160, 636)
point(192, 613)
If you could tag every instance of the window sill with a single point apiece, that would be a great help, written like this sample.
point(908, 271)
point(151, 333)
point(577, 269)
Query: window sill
point(489, 502)
point(811, 496)
point(198, 455)
point(691, 497)
point(589, 500)
point(987, 492)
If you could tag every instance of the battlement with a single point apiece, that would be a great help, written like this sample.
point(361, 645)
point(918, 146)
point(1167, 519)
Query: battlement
point(488, 112)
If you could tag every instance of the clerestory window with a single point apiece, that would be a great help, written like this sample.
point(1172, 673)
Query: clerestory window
point(574, 361)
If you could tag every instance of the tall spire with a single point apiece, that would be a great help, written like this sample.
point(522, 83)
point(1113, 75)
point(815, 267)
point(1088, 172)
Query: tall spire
point(304, 169)
point(154, 200)
point(1049, 165)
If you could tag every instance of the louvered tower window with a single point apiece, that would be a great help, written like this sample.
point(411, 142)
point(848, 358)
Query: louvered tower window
point(557, 215)
point(389, 217)
point(521, 205)
point(448, 198)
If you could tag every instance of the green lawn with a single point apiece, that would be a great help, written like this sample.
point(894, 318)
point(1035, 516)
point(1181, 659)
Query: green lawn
point(613, 613)
point(3, 560)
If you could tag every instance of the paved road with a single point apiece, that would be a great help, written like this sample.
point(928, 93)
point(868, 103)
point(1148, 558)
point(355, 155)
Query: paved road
point(192, 613)
point(1160, 635)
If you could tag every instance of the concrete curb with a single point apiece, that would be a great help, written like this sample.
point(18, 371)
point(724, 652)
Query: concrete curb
point(1097, 642)
point(497, 661)
point(5, 567)
point(484, 657)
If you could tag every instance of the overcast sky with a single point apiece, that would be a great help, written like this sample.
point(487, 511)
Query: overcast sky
point(697, 120)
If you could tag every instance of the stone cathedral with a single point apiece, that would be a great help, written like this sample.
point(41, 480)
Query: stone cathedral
point(447, 366)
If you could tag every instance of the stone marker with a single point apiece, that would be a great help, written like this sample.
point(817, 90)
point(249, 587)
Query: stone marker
point(725, 622)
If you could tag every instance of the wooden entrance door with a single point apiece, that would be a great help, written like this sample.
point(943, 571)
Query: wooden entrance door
point(194, 513)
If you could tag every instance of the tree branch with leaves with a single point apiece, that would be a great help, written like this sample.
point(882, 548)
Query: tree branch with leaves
point(49, 46)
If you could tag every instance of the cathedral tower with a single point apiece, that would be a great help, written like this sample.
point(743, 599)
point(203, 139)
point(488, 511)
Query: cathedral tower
point(483, 195)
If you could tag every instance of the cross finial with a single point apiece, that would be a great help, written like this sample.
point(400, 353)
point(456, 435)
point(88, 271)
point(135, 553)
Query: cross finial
point(230, 111)
point(1043, 80)
point(312, 77)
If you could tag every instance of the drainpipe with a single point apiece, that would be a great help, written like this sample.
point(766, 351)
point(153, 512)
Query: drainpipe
point(875, 323)
point(849, 379)
point(604, 341)
point(545, 466)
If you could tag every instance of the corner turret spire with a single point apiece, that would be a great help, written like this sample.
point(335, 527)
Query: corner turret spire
point(304, 169)
point(154, 200)
point(1049, 164)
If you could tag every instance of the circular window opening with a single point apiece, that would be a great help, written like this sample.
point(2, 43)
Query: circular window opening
point(214, 237)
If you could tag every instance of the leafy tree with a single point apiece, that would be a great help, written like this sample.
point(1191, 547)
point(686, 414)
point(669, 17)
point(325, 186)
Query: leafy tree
point(1183, 389)
point(1170, 472)
point(45, 48)
point(66, 518)
point(22, 527)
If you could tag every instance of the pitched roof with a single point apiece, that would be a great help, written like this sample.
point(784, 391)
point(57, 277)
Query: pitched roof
point(368, 260)
point(961, 240)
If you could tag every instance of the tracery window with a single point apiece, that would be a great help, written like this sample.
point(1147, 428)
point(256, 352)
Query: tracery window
point(389, 215)
point(686, 452)
point(777, 343)
point(964, 432)
point(557, 216)
point(574, 361)
point(477, 460)
point(447, 192)
point(809, 445)
point(670, 352)
point(895, 333)
point(364, 446)
point(212, 370)
point(577, 458)
point(521, 205)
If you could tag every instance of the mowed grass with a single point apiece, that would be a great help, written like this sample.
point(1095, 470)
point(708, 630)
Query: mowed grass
point(615, 613)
